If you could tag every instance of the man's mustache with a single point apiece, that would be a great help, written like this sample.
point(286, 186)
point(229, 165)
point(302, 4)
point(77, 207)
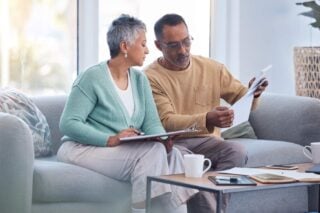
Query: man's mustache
point(183, 56)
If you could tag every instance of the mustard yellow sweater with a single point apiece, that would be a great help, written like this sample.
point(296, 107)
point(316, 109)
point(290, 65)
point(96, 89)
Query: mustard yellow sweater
point(183, 98)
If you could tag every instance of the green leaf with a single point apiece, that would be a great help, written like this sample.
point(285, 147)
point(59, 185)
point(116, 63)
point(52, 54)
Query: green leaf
point(316, 25)
point(313, 13)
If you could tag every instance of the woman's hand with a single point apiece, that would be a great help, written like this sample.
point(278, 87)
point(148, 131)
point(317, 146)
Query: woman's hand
point(115, 140)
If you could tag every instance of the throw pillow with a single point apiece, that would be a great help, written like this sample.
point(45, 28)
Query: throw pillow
point(18, 104)
point(243, 130)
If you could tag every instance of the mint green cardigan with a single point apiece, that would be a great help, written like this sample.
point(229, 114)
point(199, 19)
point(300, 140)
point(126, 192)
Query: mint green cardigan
point(94, 111)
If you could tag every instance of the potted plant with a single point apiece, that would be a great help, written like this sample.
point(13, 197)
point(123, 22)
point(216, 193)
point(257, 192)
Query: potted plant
point(307, 59)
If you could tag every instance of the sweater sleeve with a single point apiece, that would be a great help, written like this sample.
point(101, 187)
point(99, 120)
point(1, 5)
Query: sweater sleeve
point(73, 122)
point(171, 120)
point(231, 88)
point(151, 123)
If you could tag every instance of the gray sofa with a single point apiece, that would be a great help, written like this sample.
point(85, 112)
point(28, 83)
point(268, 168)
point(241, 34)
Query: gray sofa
point(283, 125)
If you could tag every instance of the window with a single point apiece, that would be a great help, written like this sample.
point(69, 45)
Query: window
point(38, 39)
point(196, 15)
point(38, 45)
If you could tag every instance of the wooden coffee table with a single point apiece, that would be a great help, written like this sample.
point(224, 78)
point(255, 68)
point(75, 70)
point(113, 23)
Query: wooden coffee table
point(203, 184)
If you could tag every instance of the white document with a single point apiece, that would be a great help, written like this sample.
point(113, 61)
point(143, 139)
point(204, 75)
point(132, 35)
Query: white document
point(242, 107)
point(259, 80)
point(254, 171)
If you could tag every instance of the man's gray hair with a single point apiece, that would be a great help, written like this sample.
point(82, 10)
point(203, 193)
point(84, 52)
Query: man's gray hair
point(125, 28)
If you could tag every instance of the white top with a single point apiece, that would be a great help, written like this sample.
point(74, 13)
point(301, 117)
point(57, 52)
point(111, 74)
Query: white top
point(125, 95)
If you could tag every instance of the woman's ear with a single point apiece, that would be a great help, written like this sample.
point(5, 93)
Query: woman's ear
point(124, 47)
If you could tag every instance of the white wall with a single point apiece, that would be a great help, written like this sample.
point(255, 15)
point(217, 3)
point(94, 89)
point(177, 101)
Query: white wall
point(256, 33)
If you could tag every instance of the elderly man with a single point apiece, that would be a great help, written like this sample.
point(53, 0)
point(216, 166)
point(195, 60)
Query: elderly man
point(187, 91)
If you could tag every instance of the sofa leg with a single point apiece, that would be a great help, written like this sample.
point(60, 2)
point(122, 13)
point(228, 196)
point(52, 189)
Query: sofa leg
point(16, 165)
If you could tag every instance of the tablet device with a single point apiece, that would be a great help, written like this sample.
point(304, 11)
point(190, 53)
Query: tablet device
point(155, 136)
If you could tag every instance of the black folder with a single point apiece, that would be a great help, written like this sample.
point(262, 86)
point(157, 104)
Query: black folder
point(239, 180)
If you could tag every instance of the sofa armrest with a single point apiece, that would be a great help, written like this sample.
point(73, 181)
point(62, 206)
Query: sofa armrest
point(16, 165)
point(287, 118)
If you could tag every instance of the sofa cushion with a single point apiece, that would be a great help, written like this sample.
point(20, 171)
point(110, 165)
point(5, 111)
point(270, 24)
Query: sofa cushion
point(16, 103)
point(52, 107)
point(267, 152)
point(243, 130)
point(61, 182)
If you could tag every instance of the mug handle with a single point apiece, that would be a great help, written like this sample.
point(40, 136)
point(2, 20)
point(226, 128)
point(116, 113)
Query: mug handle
point(307, 152)
point(208, 167)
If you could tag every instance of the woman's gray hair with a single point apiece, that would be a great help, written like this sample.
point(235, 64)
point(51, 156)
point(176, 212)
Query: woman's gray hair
point(125, 28)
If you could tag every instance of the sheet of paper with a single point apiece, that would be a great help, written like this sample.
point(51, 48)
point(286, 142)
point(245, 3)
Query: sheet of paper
point(242, 107)
point(254, 171)
point(258, 79)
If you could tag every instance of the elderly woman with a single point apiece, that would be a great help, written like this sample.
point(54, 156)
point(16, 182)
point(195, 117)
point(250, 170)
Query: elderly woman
point(112, 100)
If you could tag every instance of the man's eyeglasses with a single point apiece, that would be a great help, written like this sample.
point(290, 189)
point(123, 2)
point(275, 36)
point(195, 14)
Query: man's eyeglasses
point(178, 44)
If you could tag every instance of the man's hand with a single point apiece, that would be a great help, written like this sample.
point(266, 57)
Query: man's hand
point(220, 116)
point(115, 140)
point(260, 88)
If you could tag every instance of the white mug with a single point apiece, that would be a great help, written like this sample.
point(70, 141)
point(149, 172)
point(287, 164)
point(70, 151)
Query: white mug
point(193, 165)
point(313, 152)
